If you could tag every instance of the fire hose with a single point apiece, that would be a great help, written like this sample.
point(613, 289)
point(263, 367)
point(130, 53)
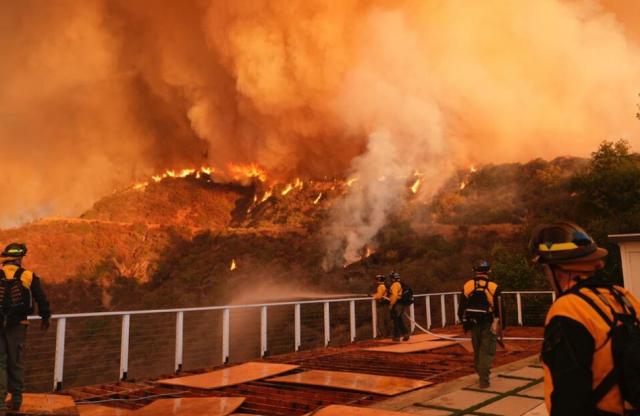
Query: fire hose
point(465, 339)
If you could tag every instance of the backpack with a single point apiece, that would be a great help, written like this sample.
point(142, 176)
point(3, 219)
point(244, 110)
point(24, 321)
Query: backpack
point(15, 298)
point(625, 345)
point(407, 295)
point(478, 306)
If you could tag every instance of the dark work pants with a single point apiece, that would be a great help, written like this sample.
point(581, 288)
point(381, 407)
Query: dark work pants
point(383, 320)
point(12, 347)
point(484, 349)
point(397, 314)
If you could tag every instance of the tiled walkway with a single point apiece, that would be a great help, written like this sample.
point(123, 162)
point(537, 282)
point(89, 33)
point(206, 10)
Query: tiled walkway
point(514, 392)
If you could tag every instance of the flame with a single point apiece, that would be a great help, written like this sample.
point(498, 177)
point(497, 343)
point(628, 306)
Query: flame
point(157, 178)
point(140, 185)
point(291, 186)
point(472, 169)
point(247, 171)
point(233, 265)
point(463, 185)
point(207, 170)
point(369, 252)
point(416, 185)
point(351, 181)
point(267, 195)
point(318, 199)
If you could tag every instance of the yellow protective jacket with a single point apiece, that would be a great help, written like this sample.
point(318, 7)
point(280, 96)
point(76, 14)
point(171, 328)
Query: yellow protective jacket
point(395, 293)
point(32, 282)
point(576, 353)
point(381, 292)
point(493, 291)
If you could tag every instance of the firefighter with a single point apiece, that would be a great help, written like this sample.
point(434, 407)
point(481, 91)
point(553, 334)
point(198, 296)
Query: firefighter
point(383, 316)
point(397, 307)
point(479, 311)
point(577, 353)
point(14, 323)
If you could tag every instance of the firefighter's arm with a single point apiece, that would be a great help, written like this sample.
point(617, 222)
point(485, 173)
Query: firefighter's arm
point(498, 309)
point(40, 297)
point(462, 306)
point(380, 293)
point(568, 353)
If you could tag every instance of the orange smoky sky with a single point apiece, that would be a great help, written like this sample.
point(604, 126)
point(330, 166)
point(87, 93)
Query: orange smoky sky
point(95, 94)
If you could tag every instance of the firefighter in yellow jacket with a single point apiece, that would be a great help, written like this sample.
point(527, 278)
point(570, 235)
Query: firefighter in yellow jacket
point(580, 376)
point(383, 317)
point(20, 288)
point(396, 307)
point(479, 311)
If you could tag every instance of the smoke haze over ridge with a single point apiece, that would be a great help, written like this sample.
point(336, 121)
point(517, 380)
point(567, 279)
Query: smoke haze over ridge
point(97, 94)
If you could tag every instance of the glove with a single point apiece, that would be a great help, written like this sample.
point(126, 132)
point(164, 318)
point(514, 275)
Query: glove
point(46, 323)
point(467, 326)
point(494, 326)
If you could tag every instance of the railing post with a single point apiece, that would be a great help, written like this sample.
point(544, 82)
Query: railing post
point(327, 325)
point(455, 309)
point(59, 363)
point(443, 310)
point(298, 340)
point(428, 303)
point(352, 319)
point(519, 300)
point(374, 318)
point(412, 314)
point(225, 336)
point(263, 332)
point(124, 346)
point(179, 339)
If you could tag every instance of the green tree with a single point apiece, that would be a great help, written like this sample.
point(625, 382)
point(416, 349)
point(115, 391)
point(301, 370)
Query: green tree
point(607, 189)
point(512, 271)
point(608, 198)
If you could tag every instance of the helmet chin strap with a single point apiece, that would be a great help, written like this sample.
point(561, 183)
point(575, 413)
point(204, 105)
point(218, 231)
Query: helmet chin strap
point(554, 281)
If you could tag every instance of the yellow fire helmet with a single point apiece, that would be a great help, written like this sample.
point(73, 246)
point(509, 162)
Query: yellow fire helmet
point(563, 243)
point(14, 250)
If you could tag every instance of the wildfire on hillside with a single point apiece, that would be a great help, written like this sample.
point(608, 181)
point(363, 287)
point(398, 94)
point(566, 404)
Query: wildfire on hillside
point(368, 251)
point(291, 186)
point(465, 182)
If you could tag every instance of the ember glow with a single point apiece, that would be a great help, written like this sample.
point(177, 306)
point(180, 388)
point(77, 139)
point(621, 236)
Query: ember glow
point(233, 265)
point(416, 185)
point(267, 195)
point(317, 199)
point(240, 172)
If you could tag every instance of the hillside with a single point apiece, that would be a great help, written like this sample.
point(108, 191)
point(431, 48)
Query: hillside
point(172, 243)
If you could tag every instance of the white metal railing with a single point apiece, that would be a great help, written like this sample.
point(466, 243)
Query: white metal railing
point(296, 342)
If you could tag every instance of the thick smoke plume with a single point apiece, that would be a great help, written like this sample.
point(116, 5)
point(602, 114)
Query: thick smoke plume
point(98, 93)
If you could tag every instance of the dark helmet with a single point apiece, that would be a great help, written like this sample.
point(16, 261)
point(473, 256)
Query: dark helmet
point(563, 243)
point(394, 275)
point(14, 250)
point(481, 266)
point(381, 278)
